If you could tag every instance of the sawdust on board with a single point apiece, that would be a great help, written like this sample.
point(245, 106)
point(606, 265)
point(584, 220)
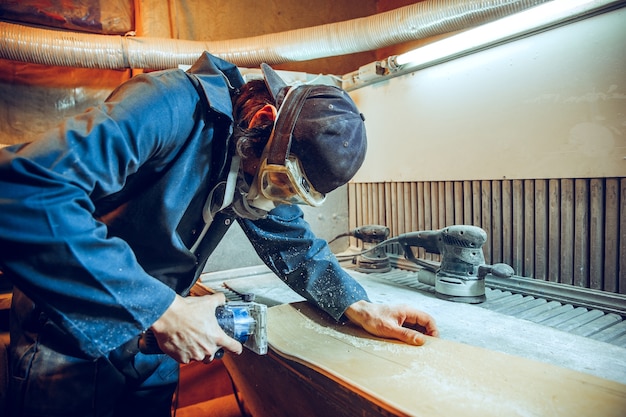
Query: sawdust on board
point(357, 342)
point(445, 377)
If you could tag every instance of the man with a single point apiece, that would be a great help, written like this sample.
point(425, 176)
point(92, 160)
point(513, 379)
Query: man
point(107, 221)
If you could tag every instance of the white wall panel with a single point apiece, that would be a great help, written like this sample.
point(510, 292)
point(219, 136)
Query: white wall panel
point(552, 105)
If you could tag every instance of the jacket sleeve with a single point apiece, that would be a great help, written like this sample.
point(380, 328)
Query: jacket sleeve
point(53, 247)
point(286, 244)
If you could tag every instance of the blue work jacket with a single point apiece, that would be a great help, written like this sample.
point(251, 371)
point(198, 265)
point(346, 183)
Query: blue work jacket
point(97, 216)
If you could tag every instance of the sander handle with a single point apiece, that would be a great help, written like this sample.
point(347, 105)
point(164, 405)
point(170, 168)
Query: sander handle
point(497, 270)
point(428, 239)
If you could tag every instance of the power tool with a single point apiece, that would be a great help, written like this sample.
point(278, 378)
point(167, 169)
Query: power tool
point(243, 321)
point(373, 258)
point(461, 275)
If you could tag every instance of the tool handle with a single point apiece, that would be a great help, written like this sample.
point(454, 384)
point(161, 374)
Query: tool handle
point(502, 270)
point(497, 270)
point(429, 240)
point(372, 233)
point(148, 343)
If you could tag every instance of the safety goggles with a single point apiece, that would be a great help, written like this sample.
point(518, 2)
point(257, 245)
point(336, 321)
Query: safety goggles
point(281, 176)
point(287, 183)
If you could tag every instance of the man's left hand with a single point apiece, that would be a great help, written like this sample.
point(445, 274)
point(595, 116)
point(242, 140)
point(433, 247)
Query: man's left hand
point(393, 321)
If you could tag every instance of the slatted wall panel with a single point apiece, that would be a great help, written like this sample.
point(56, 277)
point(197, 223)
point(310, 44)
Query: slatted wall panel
point(571, 231)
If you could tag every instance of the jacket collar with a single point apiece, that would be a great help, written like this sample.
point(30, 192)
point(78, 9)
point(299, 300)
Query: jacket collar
point(219, 80)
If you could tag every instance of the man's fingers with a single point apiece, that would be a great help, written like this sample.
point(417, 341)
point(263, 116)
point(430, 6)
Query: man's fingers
point(232, 345)
point(217, 355)
point(423, 322)
point(428, 324)
point(411, 337)
point(400, 322)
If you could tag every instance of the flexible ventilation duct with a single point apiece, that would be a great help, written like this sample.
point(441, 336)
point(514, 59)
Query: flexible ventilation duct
point(417, 21)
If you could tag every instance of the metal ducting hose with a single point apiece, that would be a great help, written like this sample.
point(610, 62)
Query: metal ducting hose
point(417, 21)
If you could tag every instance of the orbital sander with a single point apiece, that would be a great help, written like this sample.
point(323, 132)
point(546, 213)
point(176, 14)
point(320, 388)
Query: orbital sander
point(461, 274)
point(373, 258)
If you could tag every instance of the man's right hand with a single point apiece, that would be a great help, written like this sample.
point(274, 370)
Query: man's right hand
point(188, 330)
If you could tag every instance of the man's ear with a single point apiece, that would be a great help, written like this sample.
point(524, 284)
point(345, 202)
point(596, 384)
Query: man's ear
point(266, 114)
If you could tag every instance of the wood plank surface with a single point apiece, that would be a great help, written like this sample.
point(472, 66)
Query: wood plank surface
point(596, 233)
point(485, 221)
point(476, 204)
point(415, 208)
point(441, 378)
point(428, 220)
point(621, 278)
point(518, 227)
point(467, 202)
point(541, 229)
point(449, 203)
point(581, 233)
point(388, 206)
point(458, 202)
point(507, 222)
point(394, 207)
point(441, 204)
point(567, 231)
point(529, 228)
point(611, 233)
point(554, 229)
point(495, 235)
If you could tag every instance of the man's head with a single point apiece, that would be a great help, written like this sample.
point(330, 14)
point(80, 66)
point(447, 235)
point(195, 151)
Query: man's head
point(318, 139)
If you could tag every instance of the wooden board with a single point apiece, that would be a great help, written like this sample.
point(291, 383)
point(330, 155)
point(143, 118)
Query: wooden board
point(441, 378)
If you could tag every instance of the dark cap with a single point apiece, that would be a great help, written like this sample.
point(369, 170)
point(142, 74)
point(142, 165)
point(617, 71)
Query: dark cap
point(324, 128)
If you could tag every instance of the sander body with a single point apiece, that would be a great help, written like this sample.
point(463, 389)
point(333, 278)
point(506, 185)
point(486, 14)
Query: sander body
point(461, 274)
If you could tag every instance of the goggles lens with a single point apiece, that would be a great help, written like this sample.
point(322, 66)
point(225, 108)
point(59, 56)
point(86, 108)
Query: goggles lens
point(288, 184)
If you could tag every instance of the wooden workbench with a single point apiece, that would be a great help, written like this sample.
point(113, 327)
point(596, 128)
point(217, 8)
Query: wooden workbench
point(319, 368)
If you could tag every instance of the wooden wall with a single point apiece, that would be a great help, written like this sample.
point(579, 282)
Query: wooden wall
point(570, 231)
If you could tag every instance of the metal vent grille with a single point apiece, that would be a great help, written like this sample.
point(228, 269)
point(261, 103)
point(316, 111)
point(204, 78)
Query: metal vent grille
point(591, 323)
